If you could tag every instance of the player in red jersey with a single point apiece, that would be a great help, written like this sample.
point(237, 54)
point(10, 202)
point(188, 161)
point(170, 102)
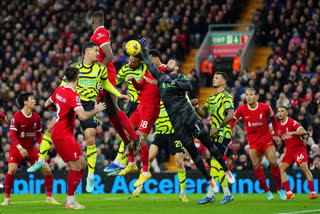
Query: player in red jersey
point(142, 119)
point(68, 105)
point(25, 126)
point(255, 116)
point(291, 132)
point(117, 117)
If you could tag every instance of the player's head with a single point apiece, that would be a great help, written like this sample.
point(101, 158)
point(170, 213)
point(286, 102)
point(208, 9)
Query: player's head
point(155, 56)
point(173, 65)
point(26, 100)
point(134, 61)
point(72, 73)
point(90, 50)
point(251, 96)
point(97, 18)
point(282, 112)
point(219, 79)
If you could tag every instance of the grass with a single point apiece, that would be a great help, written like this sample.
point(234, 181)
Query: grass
point(161, 204)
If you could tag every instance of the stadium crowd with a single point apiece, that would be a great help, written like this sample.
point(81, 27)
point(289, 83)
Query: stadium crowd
point(39, 40)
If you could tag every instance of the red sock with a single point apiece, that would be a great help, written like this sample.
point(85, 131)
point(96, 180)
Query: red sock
point(8, 181)
point(126, 125)
point(119, 129)
point(275, 171)
point(286, 186)
point(144, 153)
point(73, 181)
point(311, 186)
point(261, 178)
point(48, 182)
point(130, 156)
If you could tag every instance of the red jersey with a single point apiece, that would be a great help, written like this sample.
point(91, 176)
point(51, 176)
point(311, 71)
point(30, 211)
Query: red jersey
point(256, 121)
point(67, 101)
point(162, 68)
point(101, 37)
point(294, 141)
point(24, 128)
point(149, 93)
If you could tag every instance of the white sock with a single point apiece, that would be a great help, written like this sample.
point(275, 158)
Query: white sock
point(122, 165)
point(70, 199)
point(313, 192)
point(131, 163)
point(6, 199)
point(226, 191)
point(145, 173)
point(117, 162)
point(41, 161)
point(90, 175)
point(210, 192)
point(48, 198)
point(182, 191)
point(289, 192)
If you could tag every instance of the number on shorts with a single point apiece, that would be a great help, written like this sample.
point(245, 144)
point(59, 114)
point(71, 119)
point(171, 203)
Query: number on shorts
point(58, 111)
point(178, 143)
point(144, 124)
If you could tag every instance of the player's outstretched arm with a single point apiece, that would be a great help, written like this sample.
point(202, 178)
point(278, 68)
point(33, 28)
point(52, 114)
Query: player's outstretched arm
point(106, 84)
point(108, 56)
point(85, 115)
point(146, 58)
point(3, 118)
point(201, 112)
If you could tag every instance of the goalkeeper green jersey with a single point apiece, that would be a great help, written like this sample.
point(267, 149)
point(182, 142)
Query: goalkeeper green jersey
point(89, 79)
point(217, 106)
point(137, 73)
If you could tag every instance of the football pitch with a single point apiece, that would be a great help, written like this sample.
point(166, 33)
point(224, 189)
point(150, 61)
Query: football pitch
point(162, 204)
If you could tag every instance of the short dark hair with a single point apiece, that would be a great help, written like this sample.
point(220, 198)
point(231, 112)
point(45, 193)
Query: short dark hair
point(178, 63)
point(139, 56)
point(285, 107)
point(252, 89)
point(87, 45)
point(154, 53)
point(99, 15)
point(71, 73)
point(23, 97)
point(223, 74)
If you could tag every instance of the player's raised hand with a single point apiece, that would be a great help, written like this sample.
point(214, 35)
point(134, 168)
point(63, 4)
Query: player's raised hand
point(129, 78)
point(167, 79)
point(143, 42)
point(124, 98)
point(194, 102)
point(100, 107)
point(23, 152)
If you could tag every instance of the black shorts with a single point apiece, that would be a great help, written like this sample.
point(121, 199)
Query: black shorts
point(92, 122)
point(168, 142)
point(131, 107)
point(221, 143)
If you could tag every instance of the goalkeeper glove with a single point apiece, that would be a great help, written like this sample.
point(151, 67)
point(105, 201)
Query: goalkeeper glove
point(167, 79)
point(143, 42)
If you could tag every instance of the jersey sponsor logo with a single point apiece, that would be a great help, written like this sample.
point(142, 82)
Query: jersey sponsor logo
point(100, 35)
point(300, 157)
point(246, 117)
point(23, 125)
point(255, 124)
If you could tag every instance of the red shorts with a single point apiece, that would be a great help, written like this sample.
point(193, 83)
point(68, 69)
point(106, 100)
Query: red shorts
point(67, 147)
point(299, 156)
point(261, 147)
point(144, 117)
point(15, 156)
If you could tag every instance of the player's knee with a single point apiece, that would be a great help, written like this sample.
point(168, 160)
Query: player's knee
point(12, 170)
point(179, 163)
point(273, 163)
point(304, 166)
point(46, 171)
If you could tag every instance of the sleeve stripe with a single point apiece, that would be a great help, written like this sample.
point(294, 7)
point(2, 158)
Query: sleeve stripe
point(300, 127)
point(78, 107)
point(39, 130)
point(51, 99)
point(14, 129)
point(104, 44)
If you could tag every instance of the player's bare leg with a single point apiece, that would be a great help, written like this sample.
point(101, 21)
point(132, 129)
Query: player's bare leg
point(44, 148)
point(181, 175)
point(284, 179)
point(305, 169)
point(90, 136)
point(270, 153)
point(9, 180)
point(256, 158)
point(48, 182)
point(144, 153)
point(75, 175)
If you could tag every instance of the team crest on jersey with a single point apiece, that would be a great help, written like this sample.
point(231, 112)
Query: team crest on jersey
point(12, 121)
point(260, 116)
point(22, 134)
point(78, 99)
point(95, 74)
